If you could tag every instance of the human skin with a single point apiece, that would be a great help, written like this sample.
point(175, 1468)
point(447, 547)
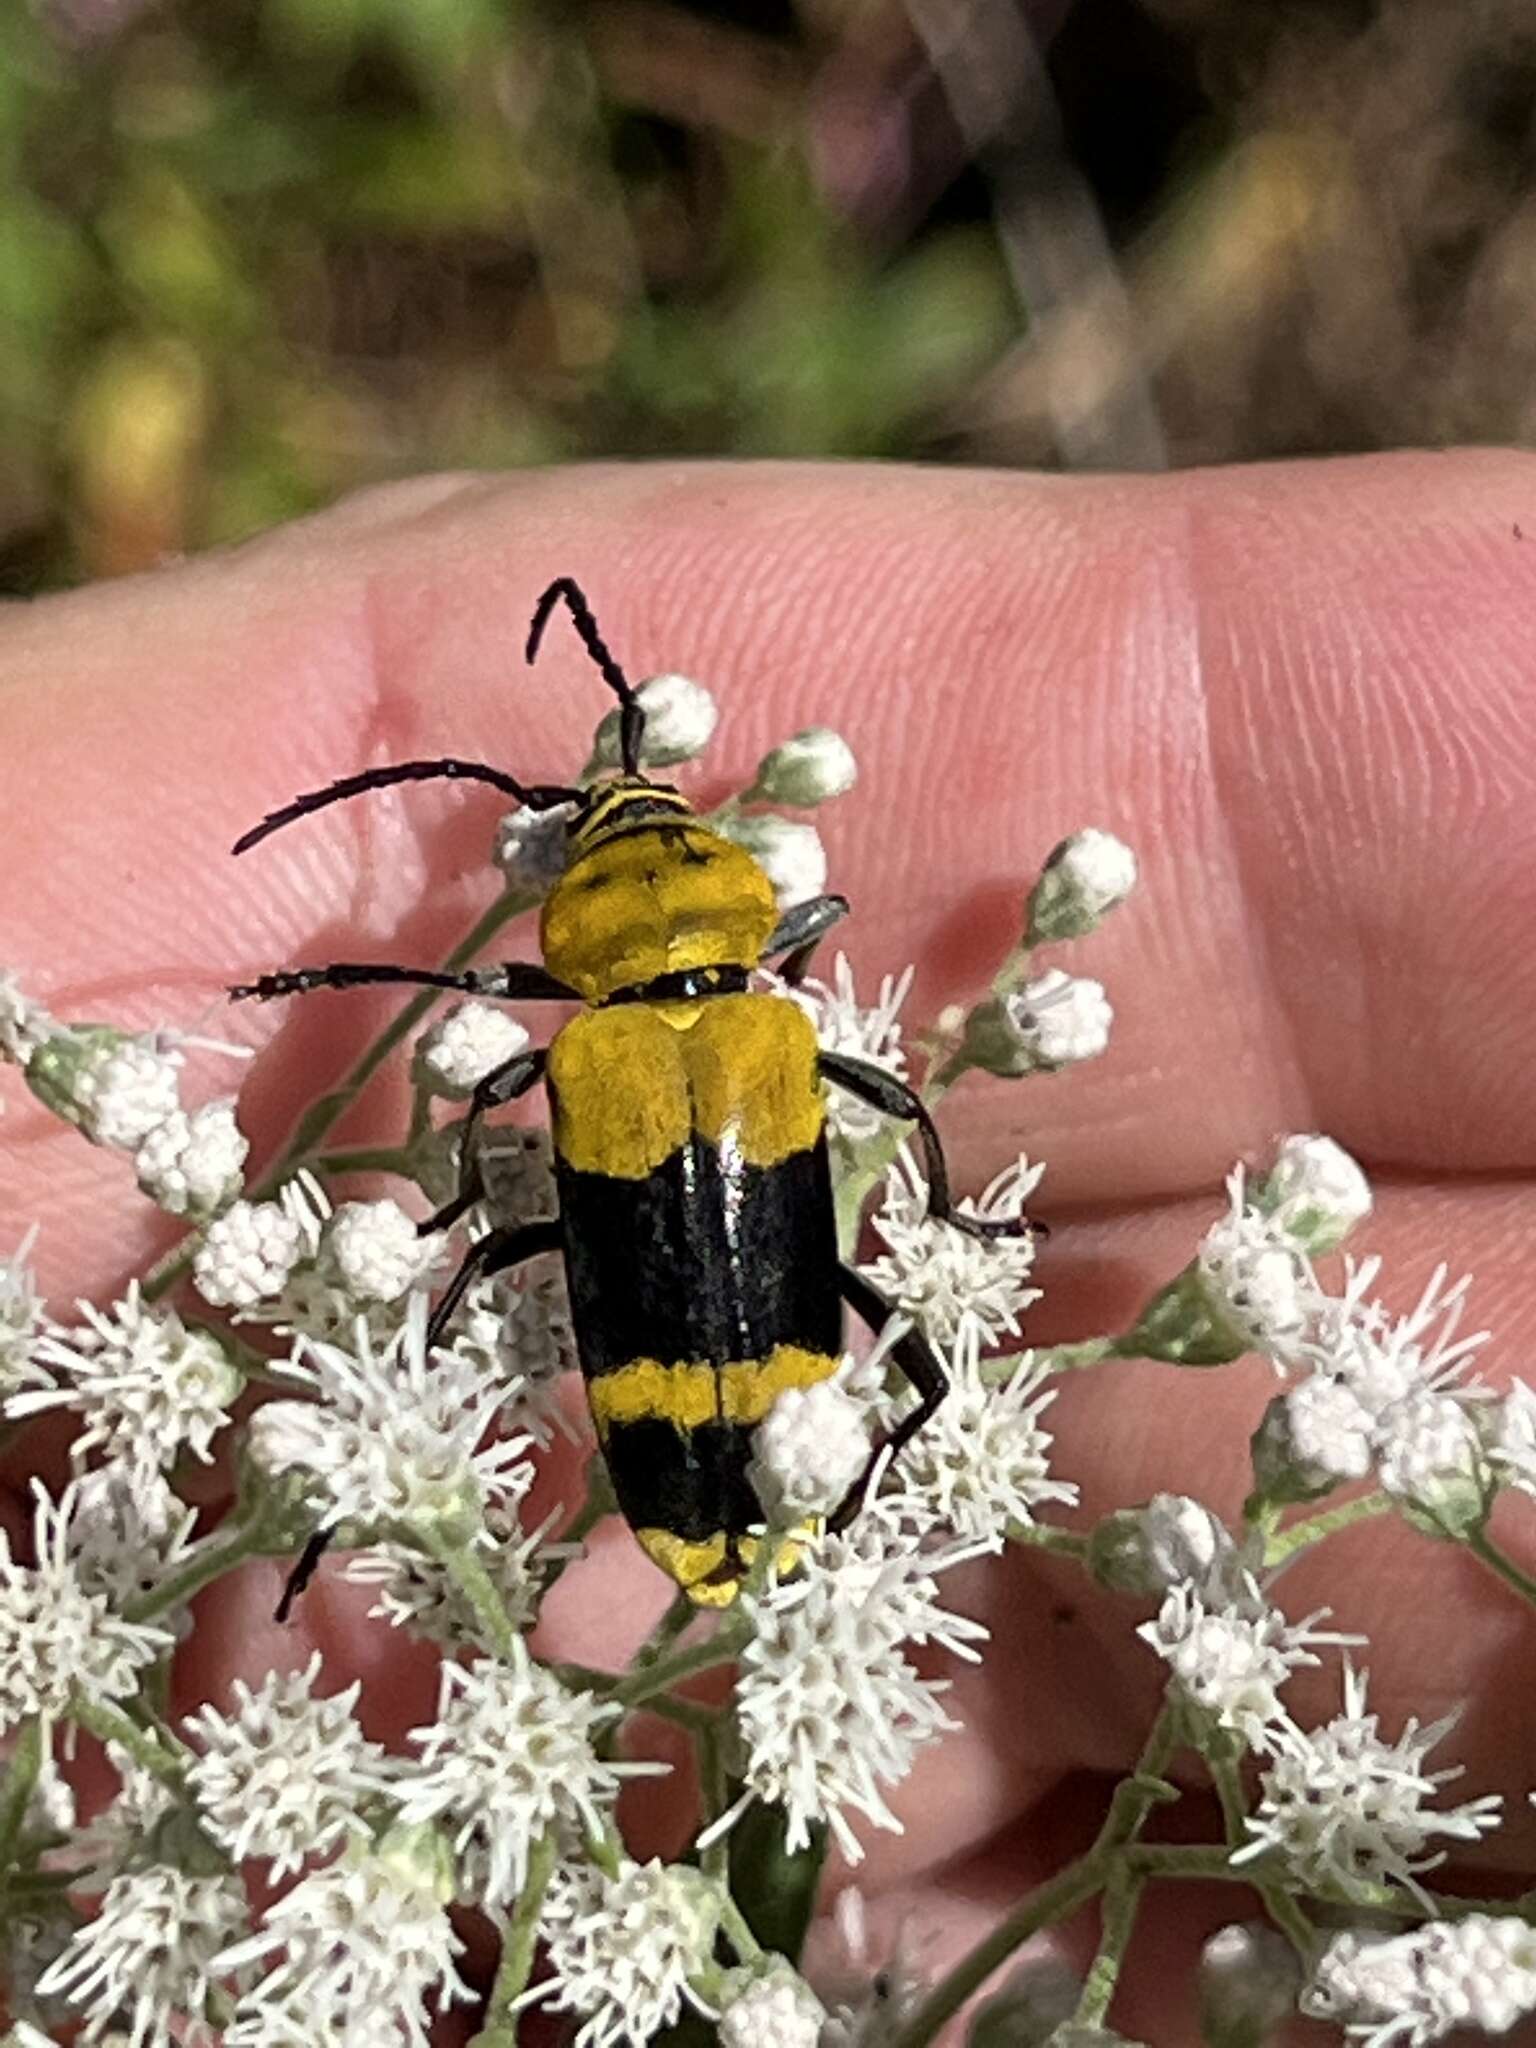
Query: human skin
point(1303, 693)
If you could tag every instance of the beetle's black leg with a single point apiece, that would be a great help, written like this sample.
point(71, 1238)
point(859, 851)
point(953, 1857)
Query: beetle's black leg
point(514, 981)
point(884, 1092)
point(800, 931)
point(493, 1254)
point(913, 1356)
point(499, 1087)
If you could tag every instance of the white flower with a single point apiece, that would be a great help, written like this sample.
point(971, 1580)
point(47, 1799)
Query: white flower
point(150, 1957)
point(147, 1386)
point(1429, 1454)
point(531, 847)
point(1151, 1549)
point(1514, 1444)
point(680, 717)
point(622, 1949)
point(114, 1840)
point(122, 1091)
point(1384, 1358)
point(510, 1756)
point(845, 1025)
point(466, 1043)
point(418, 1593)
point(24, 1025)
point(286, 1775)
point(1321, 1432)
point(951, 1283)
point(982, 1464)
point(1081, 882)
point(815, 765)
point(21, 1316)
point(808, 1450)
point(1059, 1019)
point(1249, 1978)
point(829, 1710)
point(1316, 1193)
point(1256, 1278)
point(1345, 1808)
point(249, 1254)
point(376, 1250)
point(364, 1944)
point(519, 1331)
point(394, 1445)
point(1230, 1662)
point(775, 2009)
point(129, 1531)
point(58, 1637)
point(788, 851)
point(192, 1165)
point(1478, 1971)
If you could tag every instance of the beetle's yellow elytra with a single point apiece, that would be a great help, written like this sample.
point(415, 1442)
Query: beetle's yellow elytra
point(687, 1395)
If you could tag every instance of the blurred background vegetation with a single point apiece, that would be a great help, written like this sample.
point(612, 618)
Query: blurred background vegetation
point(254, 253)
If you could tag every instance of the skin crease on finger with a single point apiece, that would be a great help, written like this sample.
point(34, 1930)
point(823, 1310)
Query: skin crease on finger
point(1301, 692)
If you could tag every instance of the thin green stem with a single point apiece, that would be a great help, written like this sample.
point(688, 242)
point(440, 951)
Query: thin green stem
point(673, 1623)
point(714, 1797)
point(736, 1931)
point(21, 1774)
point(1040, 1536)
point(1483, 1547)
point(1283, 1544)
point(108, 1724)
point(1122, 1900)
point(469, 1575)
point(216, 1555)
point(365, 1159)
point(518, 1944)
point(1284, 1910)
point(644, 1684)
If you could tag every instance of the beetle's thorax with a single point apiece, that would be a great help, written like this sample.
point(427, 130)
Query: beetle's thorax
point(652, 892)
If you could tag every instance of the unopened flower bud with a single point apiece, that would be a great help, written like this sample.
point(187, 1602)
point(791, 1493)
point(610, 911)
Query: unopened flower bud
point(1315, 1193)
point(193, 1165)
point(680, 716)
point(1184, 1325)
point(774, 2008)
point(1052, 1022)
point(815, 765)
point(1081, 883)
point(465, 1044)
point(1430, 1458)
point(789, 853)
point(1147, 1550)
point(808, 1450)
point(24, 1025)
point(376, 1250)
point(1249, 1979)
point(247, 1255)
point(531, 847)
point(1311, 1439)
point(112, 1087)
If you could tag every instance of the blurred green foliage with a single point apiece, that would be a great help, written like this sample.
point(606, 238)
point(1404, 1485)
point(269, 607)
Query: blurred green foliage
point(256, 253)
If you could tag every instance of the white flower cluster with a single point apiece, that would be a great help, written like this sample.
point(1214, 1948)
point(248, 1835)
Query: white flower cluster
point(463, 1045)
point(956, 1286)
point(831, 1713)
point(621, 1950)
point(1411, 1989)
point(1230, 1658)
point(860, 1031)
point(21, 1316)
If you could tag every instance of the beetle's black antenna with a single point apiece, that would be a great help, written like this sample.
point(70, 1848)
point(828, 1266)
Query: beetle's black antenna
point(541, 797)
point(632, 716)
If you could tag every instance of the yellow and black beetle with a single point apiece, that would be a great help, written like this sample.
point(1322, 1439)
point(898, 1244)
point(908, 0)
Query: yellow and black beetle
point(696, 1213)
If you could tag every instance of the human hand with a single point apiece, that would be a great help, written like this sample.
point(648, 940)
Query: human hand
point(1296, 691)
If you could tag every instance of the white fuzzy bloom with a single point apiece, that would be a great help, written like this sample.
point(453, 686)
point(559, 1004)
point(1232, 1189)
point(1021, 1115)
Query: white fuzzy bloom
point(21, 1316)
point(830, 1712)
point(192, 1165)
point(1429, 1454)
point(680, 719)
point(121, 1092)
point(789, 852)
point(1081, 882)
point(861, 1031)
point(465, 1044)
point(531, 847)
point(1059, 1019)
point(394, 1445)
point(149, 1959)
point(1327, 1430)
point(621, 1950)
point(364, 1945)
point(129, 1531)
point(57, 1636)
point(982, 1464)
point(1345, 1808)
point(418, 1593)
point(286, 1775)
point(113, 1841)
point(146, 1386)
point(249, 1254)
point(1316, 1193)
point(1249, 1978)
point(951, 1283)
point(510, 1756)
point(808, 1450)
point(1256, 1278)
point(1230, 1662)
point(1411, 1989)
point(1151, 1549)
point(376, 1250)
point(815, 765)
point(1385, 1358)
point(1513, 1449)
point(24, 1025)
point(775, 2009)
